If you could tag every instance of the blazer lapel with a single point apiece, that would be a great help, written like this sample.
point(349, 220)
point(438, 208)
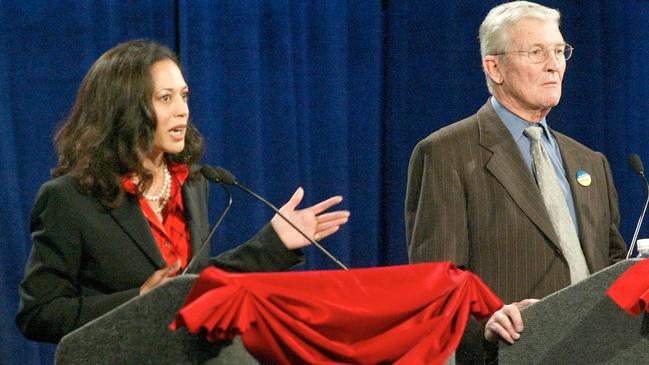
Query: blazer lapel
point(509, 168)
point(573, 161)
point(192, 216)
point(130, 218)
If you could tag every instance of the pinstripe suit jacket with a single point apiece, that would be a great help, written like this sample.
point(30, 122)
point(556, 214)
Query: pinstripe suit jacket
point(472, 200)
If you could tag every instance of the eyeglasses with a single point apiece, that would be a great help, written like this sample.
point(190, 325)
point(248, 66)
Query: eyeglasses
point(538, 54)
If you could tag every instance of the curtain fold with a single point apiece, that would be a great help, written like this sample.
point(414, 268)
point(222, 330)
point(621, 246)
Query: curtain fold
point(631, 290)
point(409, 314)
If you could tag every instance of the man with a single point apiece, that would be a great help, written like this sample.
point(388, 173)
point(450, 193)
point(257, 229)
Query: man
point(477, 192)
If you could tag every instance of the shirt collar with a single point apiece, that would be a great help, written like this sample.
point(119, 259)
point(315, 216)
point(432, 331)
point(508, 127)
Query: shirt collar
point(515, 124)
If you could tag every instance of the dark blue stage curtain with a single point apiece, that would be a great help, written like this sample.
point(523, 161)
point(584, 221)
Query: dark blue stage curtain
point(288, 94)
point(328, 95)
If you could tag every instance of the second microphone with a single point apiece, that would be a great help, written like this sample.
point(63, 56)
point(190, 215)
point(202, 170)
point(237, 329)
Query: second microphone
point(333, 221)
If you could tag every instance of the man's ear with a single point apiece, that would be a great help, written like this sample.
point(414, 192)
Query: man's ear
point(492, 66)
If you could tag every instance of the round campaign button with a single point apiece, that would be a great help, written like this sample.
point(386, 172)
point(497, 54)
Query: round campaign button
point(583, 178)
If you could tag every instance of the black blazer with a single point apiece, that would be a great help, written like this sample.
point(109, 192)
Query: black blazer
point(87, 259)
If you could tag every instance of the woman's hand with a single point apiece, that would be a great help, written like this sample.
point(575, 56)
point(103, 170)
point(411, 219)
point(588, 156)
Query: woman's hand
point(312, 221)
point(159, 277)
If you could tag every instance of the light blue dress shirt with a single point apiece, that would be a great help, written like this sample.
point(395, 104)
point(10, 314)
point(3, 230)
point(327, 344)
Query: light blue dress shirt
point(516, 125)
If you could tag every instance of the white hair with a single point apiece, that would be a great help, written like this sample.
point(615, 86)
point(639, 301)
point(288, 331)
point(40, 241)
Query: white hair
point(494, 30)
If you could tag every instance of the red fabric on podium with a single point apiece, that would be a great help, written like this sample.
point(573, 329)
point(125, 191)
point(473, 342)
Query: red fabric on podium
point(410, 314)
point(631, 290)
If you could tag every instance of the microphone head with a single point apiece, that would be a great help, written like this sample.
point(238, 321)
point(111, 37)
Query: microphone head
point(225, 176)
point(219, 175)
point(209, 173)
point(636, 163)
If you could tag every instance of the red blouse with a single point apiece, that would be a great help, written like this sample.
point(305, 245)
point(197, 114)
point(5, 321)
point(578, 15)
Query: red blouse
point(171, 235)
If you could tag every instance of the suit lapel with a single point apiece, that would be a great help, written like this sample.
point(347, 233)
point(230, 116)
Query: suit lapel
point(509, 168)
point(573, 161)
point(130, 218)
point(192, 215)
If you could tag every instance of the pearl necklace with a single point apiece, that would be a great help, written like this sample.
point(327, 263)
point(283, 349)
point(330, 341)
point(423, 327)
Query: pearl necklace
point(165, 192)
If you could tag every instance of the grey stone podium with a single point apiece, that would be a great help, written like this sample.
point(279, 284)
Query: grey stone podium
point(137, 333)
point(581, 325)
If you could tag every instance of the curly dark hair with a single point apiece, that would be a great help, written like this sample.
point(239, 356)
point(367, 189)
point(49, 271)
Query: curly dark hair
point(111, 127)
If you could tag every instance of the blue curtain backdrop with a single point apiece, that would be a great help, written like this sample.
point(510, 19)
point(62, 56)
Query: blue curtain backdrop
point(288, 94)
point(328, 95)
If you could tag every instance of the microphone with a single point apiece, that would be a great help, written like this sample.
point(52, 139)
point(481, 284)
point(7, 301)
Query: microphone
point(636, 165)
point(225, 177)
point(216, 225)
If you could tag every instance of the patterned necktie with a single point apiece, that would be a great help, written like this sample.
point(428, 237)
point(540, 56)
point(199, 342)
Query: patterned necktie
point(557, 207)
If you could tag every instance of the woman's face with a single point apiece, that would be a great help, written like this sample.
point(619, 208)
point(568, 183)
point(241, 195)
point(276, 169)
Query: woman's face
point(170, 106)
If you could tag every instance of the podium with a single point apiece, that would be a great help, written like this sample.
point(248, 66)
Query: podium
point(580, 324)
point(408, 314)
point(137, 333)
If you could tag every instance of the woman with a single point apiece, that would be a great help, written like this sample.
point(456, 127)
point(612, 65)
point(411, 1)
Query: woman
point(127, 208)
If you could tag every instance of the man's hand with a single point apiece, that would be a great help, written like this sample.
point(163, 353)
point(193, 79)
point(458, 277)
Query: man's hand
point(507, 322)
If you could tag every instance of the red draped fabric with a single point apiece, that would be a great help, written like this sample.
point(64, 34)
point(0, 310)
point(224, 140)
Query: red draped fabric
point(631, 290)
point(410, 314)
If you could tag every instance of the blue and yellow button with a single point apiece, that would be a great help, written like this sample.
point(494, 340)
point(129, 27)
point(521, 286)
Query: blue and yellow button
point(583, 178)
